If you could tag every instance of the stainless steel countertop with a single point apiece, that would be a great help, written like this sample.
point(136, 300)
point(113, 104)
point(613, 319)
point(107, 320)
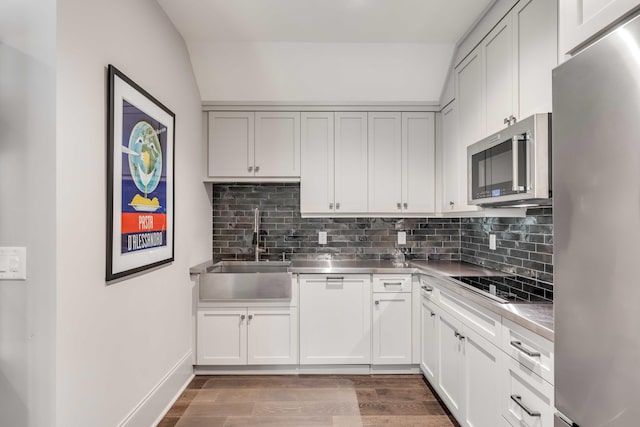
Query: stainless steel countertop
point(537, 317)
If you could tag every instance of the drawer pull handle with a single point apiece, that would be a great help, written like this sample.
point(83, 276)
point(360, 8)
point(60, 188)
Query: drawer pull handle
point(519, 346)
point(518, 400)
point(335, 278)
point(427, 288)
point(392, 283)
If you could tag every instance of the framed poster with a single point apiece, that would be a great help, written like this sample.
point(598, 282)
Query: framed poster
point(140, 181)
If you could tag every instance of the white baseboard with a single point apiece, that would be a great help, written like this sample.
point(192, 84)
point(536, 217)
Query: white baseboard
point(159, 400)
point(335, 369)
point(395, 369)
point(247, 370)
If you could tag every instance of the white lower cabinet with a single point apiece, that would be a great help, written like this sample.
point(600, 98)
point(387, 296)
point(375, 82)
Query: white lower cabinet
point(429, 350)
point(222, 336)
point(247, 336)
point(527, 399)
point(335, 319)
point(469, 372)
point(391, 328)
point(481, 380)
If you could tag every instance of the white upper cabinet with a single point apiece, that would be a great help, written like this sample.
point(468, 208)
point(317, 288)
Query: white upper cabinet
point(497, 49)
point(254, 146)
point(581, 20)
point(519, 54)
point(277, 144)
point(317, 168)
point(418, 163)
point(470, 98)
point(451, 153)
point(350, 163)
point(535, 32)
point(231, 144)
point(385, 162)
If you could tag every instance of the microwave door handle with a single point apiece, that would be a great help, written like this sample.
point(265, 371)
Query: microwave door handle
point(514, 142)
point(528, 141)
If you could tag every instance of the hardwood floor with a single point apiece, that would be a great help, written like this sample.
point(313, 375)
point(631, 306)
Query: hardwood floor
point(308, 400)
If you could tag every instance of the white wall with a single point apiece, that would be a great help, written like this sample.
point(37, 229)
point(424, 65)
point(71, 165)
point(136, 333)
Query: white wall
point(27, 210)
point(340, 72)
point(116, 343)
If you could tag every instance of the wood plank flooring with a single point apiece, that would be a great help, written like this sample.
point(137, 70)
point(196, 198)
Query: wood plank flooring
point(308, 400)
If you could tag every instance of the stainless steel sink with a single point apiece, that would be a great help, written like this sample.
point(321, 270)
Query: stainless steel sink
point(249, 267)
point(246, 281)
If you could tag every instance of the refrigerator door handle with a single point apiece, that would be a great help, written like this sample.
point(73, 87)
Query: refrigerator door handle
point(518, 400)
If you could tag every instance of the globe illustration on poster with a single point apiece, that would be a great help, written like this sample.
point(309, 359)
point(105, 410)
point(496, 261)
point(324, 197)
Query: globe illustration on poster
point(145, 164)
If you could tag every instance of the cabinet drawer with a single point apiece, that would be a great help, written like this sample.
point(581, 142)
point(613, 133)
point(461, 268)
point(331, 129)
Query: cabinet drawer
point(481, 320)
point(527, 399)
point(392, 283)
point(427, 288)
point(529, 349)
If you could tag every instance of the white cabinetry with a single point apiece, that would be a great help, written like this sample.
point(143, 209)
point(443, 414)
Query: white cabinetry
point(470, 99)
point(429, 350)
point(350, 163)
point(241, 336)
point(519, 54)
point(334, 163)
point(392, 320)
point(317, 194)
point(277, 141)
point(418, 163)
point(252, 146)
point(454, 164)
point(335, 319)
point(469, 372)
point(231, 144)
point(580, 20)
point(497, 49)
point(385, 162)
point(401, 163)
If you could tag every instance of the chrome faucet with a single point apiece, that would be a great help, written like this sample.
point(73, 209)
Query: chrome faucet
point(256, 234)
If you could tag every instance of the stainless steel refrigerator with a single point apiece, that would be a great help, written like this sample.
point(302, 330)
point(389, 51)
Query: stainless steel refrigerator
point(596, 194)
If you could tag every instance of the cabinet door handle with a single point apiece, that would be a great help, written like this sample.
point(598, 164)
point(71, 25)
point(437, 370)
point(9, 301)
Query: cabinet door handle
point(519, 346)
point(507, 121)
point(337, 205)
point(377, 302)
point(432, 314)
point(456, 334)
point(257, 168)
point(330, 205)
point(399, 205)
point(250, 169)
point(427, 288)
point(512, 120)
point(518, 400)
point(451, 203)
point(242, 317)
point(406, 205)
point(250, 316)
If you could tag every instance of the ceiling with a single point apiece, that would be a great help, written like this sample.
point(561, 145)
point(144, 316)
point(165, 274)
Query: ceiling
point(324, 21)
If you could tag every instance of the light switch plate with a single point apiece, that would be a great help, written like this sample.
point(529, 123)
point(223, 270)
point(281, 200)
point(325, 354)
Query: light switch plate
point(492, 242)
point(322, 237)
point(402, 237)
point(13, 263)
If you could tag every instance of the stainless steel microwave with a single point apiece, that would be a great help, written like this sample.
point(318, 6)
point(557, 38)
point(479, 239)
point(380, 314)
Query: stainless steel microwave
point(512, 167)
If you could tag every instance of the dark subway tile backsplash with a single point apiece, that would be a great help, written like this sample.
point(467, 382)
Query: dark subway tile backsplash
point(347, 238)
point(524, 245)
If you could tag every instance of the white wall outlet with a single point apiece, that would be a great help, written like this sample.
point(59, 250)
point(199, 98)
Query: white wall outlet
point(322, 237)
point(13, 263)
point(402, 237)
point(492, 242)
